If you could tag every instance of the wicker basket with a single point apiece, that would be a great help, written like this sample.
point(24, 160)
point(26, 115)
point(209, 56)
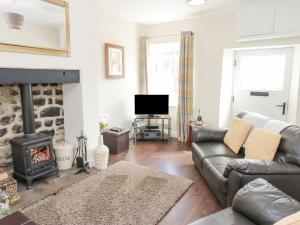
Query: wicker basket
point(9, 185)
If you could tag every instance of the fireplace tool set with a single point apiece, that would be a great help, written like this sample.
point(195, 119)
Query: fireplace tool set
point(81, 155)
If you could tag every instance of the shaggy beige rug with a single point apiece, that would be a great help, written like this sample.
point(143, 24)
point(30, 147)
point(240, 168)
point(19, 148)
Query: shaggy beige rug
point(123, 194)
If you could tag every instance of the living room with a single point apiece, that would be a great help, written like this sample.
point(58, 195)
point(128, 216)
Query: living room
point(180, 72)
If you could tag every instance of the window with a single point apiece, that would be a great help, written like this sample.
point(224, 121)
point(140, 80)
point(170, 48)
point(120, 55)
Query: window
point(269, 70)
point(164, 69)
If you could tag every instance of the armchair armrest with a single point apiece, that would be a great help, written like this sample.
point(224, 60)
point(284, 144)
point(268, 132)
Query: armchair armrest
point(260, 167)
point(203, 134)
point(263, 203)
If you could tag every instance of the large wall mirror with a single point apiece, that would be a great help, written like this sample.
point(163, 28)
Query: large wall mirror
point(35, 26)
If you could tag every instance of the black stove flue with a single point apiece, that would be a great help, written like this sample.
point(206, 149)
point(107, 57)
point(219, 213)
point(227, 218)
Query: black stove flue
point(27, 110)
point(33, 154)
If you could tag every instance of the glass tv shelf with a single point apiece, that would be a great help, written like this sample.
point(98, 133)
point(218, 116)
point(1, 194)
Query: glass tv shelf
point(150, 128)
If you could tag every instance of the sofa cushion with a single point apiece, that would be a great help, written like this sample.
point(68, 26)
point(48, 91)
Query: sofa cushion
point(224, 217)
point(211, 149)
point(293, 219)
point(213, 169)
point(237, 134)
point(262, 145)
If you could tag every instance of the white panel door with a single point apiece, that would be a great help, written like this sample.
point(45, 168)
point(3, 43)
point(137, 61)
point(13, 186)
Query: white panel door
point(262, 82)
point(287, 17)
point(256, 19)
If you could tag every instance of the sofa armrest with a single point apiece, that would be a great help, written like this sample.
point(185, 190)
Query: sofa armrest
point(256, 167)
point(203, 134)
point(263, 203)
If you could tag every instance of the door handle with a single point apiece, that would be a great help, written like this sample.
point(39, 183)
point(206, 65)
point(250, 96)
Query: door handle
point(283, 107)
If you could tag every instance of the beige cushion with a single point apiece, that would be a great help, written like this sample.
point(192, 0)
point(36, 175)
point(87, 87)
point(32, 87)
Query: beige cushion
point(262, 145)
point(237, 134)
point(293, 219)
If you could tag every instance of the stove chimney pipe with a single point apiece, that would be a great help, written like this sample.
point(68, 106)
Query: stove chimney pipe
point(27, 110)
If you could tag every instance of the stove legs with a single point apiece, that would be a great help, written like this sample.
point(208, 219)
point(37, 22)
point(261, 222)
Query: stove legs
point(28, 180)
point(29, 184)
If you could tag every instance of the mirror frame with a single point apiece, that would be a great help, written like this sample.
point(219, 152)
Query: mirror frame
point(45, 51)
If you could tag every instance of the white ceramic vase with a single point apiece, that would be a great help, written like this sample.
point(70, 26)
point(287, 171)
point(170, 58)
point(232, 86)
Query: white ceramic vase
point(101, 154)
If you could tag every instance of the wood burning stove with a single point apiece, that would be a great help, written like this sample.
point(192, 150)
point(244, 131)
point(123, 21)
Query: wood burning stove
point(33, 154)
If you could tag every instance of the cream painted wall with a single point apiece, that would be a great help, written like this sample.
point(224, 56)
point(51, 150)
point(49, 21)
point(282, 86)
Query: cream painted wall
point(81, 100)
point(116, 97)
point(226, 88)
point(213, 34)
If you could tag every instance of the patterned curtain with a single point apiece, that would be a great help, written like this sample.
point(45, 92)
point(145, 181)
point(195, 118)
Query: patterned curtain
point(143, 66)
point(185, 97)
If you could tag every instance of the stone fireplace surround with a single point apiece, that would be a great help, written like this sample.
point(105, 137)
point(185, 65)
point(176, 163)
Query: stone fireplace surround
point(49, 115)
point(48, 108)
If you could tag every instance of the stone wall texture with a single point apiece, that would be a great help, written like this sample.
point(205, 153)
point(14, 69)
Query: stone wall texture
point(48, 110)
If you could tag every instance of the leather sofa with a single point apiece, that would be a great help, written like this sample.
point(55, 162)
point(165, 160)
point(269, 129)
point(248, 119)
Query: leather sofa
point(258, 202)
point(226, 172)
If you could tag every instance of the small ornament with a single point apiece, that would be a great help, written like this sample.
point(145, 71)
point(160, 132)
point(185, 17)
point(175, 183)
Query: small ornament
point(3, 196)
point(14, 199)
point(4, 205)
point(103, 124)
point(199, 118)
point(5, 209)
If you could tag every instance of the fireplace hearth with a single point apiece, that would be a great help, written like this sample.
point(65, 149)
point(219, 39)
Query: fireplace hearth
point(33, 155)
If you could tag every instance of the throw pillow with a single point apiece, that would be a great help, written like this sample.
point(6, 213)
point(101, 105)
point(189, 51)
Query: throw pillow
point(262, 145)
point(293, 219)
point(237, 134)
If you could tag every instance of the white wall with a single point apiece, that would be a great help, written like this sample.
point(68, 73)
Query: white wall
point(226, 88)
point(213, 34)
point(294, 87)
point(116, 96)
point(81, 103)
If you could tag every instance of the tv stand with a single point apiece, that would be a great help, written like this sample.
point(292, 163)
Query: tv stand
point(146, 130)
point(153, 116)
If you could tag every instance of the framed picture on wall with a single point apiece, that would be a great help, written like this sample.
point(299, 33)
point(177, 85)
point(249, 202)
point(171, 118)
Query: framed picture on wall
point(114, 61)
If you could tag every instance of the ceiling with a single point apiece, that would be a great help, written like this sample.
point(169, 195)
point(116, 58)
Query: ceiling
point(158, 11)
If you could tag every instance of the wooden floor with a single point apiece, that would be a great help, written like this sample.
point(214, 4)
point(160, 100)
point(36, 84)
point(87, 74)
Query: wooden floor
point(174, 158)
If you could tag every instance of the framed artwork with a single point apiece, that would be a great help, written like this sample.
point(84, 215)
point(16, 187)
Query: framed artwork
point(114, 61)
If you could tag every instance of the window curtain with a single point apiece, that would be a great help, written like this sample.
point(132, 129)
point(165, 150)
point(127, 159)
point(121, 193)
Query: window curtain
point(185, 90)
point(143, 65)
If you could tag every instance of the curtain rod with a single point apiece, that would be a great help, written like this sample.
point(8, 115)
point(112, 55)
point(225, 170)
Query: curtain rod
point(163, 36)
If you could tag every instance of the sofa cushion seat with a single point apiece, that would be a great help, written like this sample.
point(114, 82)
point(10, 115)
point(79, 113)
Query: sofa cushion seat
point(205, 150)
point(224, 217)
point(213, 170)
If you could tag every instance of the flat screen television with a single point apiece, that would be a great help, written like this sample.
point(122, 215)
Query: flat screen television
point(151, 104)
